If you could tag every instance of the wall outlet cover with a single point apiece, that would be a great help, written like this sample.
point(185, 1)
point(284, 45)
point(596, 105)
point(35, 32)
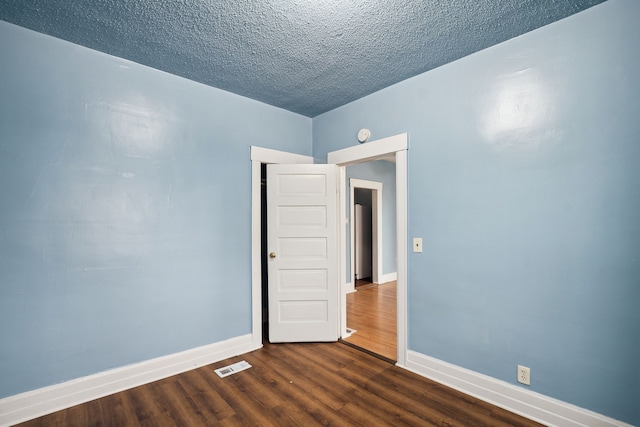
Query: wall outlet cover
point(524, 375)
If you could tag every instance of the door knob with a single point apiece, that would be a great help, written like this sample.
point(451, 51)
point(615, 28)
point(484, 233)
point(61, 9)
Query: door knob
point(272, 255)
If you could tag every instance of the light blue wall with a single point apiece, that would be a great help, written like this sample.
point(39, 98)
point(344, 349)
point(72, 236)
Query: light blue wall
point(124, 210)
point(384, 172)
point(524, 182)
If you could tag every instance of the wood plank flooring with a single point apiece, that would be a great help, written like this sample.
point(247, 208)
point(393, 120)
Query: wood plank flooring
point(310, 384)
point(372, 312)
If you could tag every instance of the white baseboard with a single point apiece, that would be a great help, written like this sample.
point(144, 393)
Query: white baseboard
point(349, 288)
point(389, 277)
point(535, 406)
point(36, 403)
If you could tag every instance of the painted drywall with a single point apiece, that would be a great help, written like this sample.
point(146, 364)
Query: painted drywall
point(384, 172)
point(125, 210)
point(524, 182)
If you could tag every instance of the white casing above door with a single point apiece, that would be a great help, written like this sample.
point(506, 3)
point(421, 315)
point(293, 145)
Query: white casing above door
point(302, 243)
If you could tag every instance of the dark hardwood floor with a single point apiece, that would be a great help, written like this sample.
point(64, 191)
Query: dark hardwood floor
point(372, 312)
point(290, 385)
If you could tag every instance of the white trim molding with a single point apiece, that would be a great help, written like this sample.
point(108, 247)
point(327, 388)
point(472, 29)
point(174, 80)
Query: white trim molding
point(388, 277)
point(375, 150)
point(402, 188)
point(535, 406)
point(36, 403)
point(348, 288)
point(267, 155)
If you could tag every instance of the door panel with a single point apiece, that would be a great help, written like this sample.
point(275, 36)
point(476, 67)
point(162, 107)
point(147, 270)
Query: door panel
point(303, 262)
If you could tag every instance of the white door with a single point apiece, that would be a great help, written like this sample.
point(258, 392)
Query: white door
point(302, 243)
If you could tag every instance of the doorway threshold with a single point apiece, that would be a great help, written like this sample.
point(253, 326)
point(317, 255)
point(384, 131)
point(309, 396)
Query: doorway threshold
point(369, 352)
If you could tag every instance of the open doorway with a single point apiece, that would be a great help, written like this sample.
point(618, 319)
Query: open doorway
point(366, 223)
point(372, 300)
point(362, 237)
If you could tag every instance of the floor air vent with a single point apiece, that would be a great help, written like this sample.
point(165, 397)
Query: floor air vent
point(232, 369)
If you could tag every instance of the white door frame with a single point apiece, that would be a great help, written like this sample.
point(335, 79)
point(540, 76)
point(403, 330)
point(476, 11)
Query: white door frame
point(376, 232)
point(258, 157)
point(395, 145)
point(376, 150)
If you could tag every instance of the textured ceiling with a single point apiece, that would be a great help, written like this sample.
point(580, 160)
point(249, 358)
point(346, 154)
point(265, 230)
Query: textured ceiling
point(306, 56)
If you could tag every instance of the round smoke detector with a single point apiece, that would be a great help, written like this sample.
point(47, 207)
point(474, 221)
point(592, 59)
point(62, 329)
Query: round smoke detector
point(363, 135)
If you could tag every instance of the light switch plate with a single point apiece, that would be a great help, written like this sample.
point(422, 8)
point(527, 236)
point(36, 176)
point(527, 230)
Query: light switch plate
point(417, 244)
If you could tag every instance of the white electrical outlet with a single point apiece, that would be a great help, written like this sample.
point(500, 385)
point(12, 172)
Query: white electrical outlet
point(417, 244)
point(524, 375)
